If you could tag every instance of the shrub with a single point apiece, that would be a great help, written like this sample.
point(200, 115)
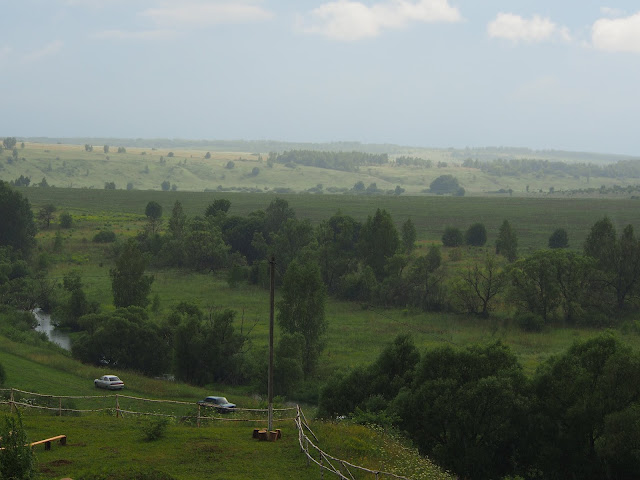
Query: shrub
point(529, 321)
point(155, 428)
point(452, 237)
point(16, 457)
point(66, 220)
point(476, 235)
point(104, 236)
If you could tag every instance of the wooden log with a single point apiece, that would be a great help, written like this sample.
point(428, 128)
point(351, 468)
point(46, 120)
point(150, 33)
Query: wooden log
point(263, 435)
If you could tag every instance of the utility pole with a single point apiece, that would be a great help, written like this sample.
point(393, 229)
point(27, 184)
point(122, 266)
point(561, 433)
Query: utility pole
point(272, 264)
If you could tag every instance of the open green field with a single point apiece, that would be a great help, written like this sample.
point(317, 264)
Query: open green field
point(70, 166)
point(534, 219)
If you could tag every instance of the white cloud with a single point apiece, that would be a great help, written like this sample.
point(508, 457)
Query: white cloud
point(347, 20)
point(617, 34)
point(516, 28)
point(190, 14)
point(46, 51)
point(141, 35)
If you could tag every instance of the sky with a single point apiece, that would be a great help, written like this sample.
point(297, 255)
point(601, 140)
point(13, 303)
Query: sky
point(543, 74)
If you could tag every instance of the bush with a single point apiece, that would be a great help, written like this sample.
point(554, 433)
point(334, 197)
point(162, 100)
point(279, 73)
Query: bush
point(452, 237)
point(529, 321)
point(66, 220)
point(476, 235)
point(16, 457)
point(104, 236)
point(155, 428)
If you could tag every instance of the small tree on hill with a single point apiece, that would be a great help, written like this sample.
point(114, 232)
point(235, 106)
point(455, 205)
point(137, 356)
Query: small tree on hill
point(445, 184)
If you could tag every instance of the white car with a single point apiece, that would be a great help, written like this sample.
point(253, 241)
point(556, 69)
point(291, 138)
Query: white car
point(110, 382)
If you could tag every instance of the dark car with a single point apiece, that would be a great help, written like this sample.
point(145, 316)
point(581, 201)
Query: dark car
point(221, 404)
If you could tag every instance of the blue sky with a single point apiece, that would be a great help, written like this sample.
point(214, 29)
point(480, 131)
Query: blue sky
point(544, 74)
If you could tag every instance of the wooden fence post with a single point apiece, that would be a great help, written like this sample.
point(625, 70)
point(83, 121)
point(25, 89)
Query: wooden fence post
point(117, 407)
point(59, 406)
point(198, 422)
point(11, 405)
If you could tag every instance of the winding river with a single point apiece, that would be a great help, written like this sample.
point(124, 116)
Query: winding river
point(54, 335)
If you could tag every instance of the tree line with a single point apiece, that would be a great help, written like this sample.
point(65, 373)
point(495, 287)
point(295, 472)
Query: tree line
point(475, 413)
point(346, 161)
point(518, 167)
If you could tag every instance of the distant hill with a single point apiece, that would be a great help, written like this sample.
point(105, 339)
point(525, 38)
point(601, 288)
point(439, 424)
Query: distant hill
point(265, 146)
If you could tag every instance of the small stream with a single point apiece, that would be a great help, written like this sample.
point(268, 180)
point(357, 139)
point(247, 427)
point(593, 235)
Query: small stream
point(44, 325)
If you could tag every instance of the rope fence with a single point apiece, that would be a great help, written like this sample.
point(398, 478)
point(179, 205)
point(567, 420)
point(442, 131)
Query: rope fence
point(121, 405)
point(340, 468)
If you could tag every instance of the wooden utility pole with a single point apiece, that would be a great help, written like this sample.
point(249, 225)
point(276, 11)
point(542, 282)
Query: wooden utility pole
point(272, 264)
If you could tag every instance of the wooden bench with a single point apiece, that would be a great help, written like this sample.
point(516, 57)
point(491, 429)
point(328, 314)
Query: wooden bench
point(47, 441)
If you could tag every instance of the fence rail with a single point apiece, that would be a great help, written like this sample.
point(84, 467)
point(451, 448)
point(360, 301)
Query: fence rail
point(340, 468)
point(121, 405)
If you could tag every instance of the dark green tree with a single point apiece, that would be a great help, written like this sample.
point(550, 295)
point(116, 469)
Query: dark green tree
point(337, 248)
point(124, 338)
point(576, 393)
point(9, 143)
point(45, 214)
point(130, 286)
point(294, 237)
point(165, 186)
point(302, 308)
point(378, 242)
point(618, 259)
point(467, 410)
point(409, 236)
point(66, 220)
point(105, 148)
point(219, 206)
point(16, 218)
point(534, 285)
point(452, 237)
point(425, 281)
point(153, 211)
point(478, 287)
point(177, 221)
point(445, 184)
point(476, 235)
point(204, 246)
point(559, 239)
point(276, 215)
point(507, 242)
